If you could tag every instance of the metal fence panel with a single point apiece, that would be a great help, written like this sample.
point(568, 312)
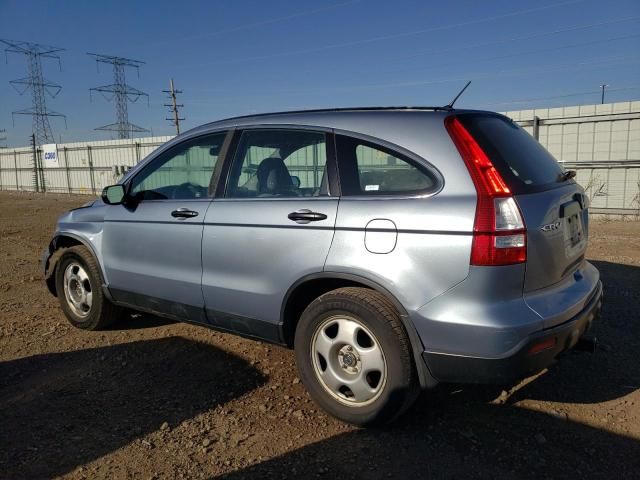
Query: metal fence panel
point(600, 142)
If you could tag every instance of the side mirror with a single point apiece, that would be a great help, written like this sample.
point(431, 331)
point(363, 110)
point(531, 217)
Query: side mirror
point(296, 181)
point(113, 195)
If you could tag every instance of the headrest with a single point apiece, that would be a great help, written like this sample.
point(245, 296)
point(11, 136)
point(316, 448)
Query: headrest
point(273, 176)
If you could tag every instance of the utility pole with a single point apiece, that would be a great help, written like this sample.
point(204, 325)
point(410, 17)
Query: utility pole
point(603, 86)
point(173, 106)
point(3, 138)
point(35, 83)
point(121, 92)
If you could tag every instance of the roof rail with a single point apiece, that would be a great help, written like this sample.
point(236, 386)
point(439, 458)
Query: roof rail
point(338, 109)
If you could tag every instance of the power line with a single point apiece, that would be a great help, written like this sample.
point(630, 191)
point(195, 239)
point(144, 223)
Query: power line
point(121, 92)
point(554, 97)
point(554, 48)
point(592, 62)
point(511, 39)
point(37, 85)
point(173, 106)
point(247, 26)
point(530, 36)
point(391, 36)
point(598, 62)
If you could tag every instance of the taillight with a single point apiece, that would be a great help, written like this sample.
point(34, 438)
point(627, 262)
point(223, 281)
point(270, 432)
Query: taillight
point(499, 232)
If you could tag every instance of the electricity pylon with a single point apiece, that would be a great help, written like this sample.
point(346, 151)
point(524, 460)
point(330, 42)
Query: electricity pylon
point(37, 85)
point(121, 92)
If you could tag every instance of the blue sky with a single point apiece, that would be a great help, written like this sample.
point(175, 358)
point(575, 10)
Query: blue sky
point(244, 56)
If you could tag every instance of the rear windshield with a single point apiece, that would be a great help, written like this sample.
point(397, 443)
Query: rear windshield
point(524, 164)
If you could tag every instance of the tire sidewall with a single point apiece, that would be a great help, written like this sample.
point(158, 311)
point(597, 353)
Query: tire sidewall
point(396, 388)
point(90, 321)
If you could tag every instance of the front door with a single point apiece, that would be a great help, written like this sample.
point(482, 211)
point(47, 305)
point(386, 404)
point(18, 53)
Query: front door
point(274, 224)
point(152, 246)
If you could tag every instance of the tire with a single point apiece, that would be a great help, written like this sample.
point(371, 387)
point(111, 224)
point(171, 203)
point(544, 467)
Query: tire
point(361, 334)
point(80, 294)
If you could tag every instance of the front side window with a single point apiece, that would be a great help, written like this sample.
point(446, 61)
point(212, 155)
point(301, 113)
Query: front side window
point(369, 169)
point(181, 173)
point(279, 163)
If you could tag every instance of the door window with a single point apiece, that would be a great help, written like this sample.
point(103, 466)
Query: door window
point(182, 173)
point(369, 169)
point(279, 163)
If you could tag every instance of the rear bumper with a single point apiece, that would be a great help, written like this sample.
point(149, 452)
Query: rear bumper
point(537, 352)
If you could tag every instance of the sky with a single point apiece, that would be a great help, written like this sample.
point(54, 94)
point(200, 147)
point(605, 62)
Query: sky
point(247, 56)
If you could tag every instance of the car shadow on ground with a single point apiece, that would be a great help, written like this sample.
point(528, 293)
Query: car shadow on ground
point(60, 410)
point(612, 370)
point(462, 439)
point(131, 320)
point(455, 432)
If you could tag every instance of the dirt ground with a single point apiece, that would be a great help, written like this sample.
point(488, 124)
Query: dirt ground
point(151, 399)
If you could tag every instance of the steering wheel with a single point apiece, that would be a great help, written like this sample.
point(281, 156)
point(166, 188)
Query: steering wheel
point(186, 190)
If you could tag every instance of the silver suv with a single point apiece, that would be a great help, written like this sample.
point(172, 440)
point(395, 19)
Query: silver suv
point(393, 248)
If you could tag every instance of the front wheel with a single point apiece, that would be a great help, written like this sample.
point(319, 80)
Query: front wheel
point(354, 356)
point(79, 289)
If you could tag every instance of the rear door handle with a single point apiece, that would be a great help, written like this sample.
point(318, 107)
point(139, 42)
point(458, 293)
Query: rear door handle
point(184, 213)
point(306, 216)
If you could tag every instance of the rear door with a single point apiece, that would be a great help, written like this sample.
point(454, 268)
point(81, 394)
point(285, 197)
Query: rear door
point(272, 224)
point(394, 227)
point(554, 207)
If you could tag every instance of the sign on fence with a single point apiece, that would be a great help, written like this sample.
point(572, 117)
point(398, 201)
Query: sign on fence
point(50, 155)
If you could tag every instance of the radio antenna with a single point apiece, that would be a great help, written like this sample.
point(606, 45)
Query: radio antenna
point(450, 106)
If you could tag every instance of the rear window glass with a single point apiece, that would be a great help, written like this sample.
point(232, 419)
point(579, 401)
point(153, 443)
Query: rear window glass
point(369, 169)
point(525, 165)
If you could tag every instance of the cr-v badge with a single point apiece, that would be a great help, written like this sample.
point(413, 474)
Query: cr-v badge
point(550, 227)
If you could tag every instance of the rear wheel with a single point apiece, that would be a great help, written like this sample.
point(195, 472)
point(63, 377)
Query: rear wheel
point(79, 287)
point(354, 356)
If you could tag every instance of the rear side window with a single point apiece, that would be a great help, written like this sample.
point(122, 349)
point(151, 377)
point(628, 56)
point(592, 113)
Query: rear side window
point(370, 169)
point(525, 165)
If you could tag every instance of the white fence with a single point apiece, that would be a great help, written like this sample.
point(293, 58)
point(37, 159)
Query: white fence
point(83, 167)
point(600, 142)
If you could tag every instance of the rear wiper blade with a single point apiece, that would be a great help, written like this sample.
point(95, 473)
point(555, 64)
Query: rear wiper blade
point(568, 175)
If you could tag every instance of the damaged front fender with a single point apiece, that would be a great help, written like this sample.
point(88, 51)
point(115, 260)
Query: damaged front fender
point(49, 261)
point(50, 257)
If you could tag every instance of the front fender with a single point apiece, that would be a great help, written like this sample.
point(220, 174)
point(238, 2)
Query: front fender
point(50, 256)
point(48, 267)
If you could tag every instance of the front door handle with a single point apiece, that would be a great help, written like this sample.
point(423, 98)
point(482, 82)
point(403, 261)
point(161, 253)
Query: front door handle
point(184, 213)
point(306, 216)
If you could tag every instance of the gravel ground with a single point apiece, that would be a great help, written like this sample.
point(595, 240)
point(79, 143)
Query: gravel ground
point(153, 399)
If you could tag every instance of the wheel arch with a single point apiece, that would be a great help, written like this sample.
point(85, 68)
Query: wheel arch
point(61, 241)
point(311, 286)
